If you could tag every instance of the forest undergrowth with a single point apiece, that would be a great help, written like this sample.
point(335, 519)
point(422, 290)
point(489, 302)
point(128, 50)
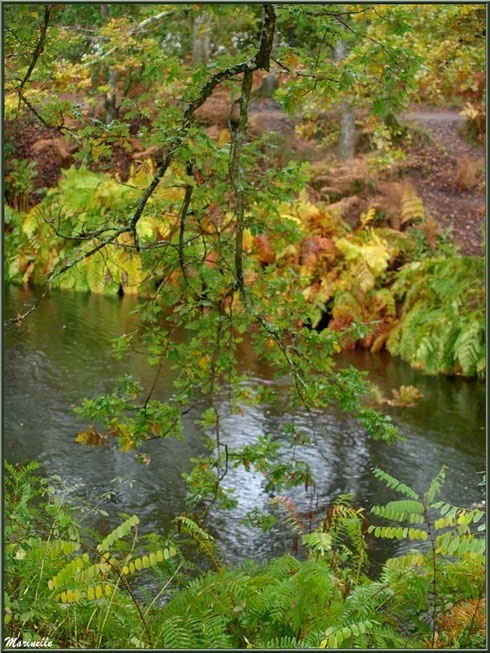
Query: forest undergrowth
point(82, 590)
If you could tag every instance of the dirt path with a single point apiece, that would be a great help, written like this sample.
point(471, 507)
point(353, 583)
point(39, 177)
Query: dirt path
point(449, 176)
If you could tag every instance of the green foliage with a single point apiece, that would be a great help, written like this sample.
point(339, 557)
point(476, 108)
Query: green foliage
point(53, 590)
point(214, 240)
point(451, 36)
point(437, 580)
point(19, 182)
point(442, 324)
point(325, 601)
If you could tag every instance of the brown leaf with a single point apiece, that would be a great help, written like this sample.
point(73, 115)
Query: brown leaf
point(91, 437)
point(198, 177)
point(144, 458)
point(263, 246)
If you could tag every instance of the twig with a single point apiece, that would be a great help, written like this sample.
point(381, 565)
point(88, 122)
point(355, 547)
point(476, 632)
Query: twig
point(316, 78)
point(154, 384)
point(163, 588)
point(434, 579)
point(183, 214)
point(473, 618)
point(39, 48)
point(238, 138)
point(141, 27)
point(18, 320)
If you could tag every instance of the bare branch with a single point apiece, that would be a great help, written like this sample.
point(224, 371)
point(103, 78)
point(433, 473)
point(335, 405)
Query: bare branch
point(141, 27)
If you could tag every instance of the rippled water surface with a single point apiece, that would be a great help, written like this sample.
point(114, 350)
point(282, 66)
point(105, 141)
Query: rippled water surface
point(62, 353)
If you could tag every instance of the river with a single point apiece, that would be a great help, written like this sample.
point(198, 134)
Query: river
point(62, 353)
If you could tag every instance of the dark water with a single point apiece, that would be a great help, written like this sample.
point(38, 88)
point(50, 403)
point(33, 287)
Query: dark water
point(62, 353)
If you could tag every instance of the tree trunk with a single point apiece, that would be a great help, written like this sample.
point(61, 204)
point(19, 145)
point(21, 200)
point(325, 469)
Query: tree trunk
point(270, 83)
point(200, 39)
point(348, 120)
point(110, 98)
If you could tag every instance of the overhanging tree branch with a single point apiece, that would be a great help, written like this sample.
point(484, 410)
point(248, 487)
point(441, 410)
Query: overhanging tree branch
point(39, 48)
point(260, 61)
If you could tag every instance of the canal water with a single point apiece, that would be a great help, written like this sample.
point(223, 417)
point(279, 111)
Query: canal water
point(62, 353)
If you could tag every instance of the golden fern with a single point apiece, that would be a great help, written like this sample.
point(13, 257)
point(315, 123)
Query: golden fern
point(412, 206)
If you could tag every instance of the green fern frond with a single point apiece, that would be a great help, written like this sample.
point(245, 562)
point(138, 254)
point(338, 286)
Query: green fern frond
point(118, 533)
point(400, 533)
point(336, 637)
point(436, 484)
point(406, 561)
point(395, 484)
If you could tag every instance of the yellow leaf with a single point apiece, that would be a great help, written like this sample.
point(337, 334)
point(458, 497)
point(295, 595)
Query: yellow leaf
point(127, 444)
point(91, 437)
point(204, 363)
point(224, 137)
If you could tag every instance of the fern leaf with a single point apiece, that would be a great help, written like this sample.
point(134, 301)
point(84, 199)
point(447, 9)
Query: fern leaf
point(395, 484)
point(294, 519)
point(118, 533)
point(412, 206)
point(436, 484)
point(95, 273)
point(406, 561)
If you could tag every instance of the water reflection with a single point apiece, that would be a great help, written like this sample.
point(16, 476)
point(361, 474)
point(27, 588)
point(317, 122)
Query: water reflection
point(63, 353)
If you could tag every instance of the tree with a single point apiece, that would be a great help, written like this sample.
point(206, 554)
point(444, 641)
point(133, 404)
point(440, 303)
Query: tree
point(181, 230)
point(348, 121)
